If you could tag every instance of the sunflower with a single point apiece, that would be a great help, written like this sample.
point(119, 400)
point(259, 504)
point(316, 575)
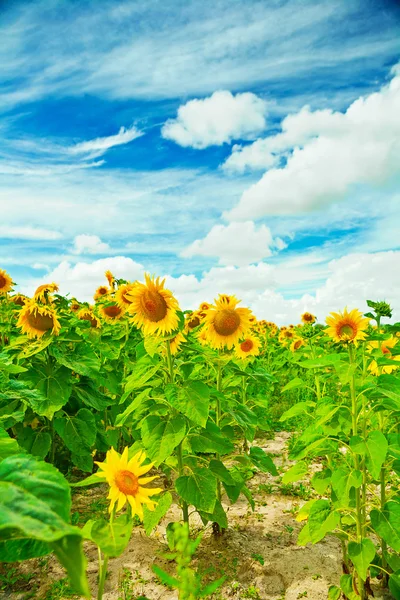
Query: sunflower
point(202, 337)
point(121, 294)
point(43, 291)
point(74, 306)
point(110, 278)
point(250, 346)
point(153, 308)
point(19, 299)
point(385, 347)
point(225, 324)
point(194, 319)
point(36, 320)
point(101, 291)
point(204, 306)
point(5, 282)
point(176, 342)
point(296, 344)
point(347, 327)
point(126, 482)
point(286, 336)
point(307, 317)
point(112, 313)
point(86, 314)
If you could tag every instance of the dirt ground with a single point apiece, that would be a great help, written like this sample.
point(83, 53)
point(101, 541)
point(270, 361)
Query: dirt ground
point(267, 535)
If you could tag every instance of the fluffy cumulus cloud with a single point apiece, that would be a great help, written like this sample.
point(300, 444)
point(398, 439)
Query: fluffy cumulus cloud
point(216, 120)
point(236, 244)
point(326, 155)
point(89, 244)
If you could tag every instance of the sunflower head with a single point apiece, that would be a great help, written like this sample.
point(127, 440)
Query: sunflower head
point(176, 342)
point(86, 314)
point(308, 318)
point(43, 293)
point(153, 308)
point(19, 299)
point(112, 313)
point(296, 344)
point(225, 324)
point(385, 347)
point(110, 278)
point(74, 306)
point(121, 295)
point(101, 292)
point(347, 326)
point(36, 320)
point(6, 282)
point(248, 347)
point(126, 481)
point(204, 306)
point(194, 319)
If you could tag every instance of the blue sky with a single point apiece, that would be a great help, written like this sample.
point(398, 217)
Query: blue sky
point(233, 146)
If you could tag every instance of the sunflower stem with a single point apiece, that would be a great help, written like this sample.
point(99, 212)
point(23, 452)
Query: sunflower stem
point(179, 449)
point(217, 527)
point(244, 398)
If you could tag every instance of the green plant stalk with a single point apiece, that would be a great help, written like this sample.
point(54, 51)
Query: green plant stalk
point(103, 567)
point(179, 449)
point(359, 509)
point(383, 502)
point(218, 420)
point(244, 399)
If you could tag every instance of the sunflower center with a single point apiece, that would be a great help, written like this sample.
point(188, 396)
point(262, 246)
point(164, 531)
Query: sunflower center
point(103, 291)
point(40, 322)
point(3, 281)
point(297, 344)
point(194, 323)
point(346, 330)
point(153, 305)
point(247, 345)
point(226, 321)
point(127, 483)
point(112, 311)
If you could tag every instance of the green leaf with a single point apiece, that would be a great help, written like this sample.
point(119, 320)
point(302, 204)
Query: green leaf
point(295, 383)
point(112, 538)
point(192, 399)
point(143, 370)
point(151, 518)
point(394, 585)
point(8, 445)
point(346, 585)
point(133, 406)
point(82, 360)
point(55, 386)
point(342, 481)
point(334, 592)
point(321, 480)
point(298, 409)
point(165, 578)
point(152, 345)
point(160, 437)
point(361, 555)
point(91, 480)
point(79, 432)
point(198, 489)
point(322, 520)
point(387, 523)
point(324, 361)
point(217, 516)
point(295, 473)
point(69, 551)
point(221, 472)
point(211, 441)
point(260, 459)
point(377, 446)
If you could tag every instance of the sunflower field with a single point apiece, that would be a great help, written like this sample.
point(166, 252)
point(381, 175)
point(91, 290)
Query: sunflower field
point(163, 415)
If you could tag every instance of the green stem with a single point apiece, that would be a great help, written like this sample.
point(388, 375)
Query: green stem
point(218, 419)
point(103, 567)
point(244, 399)
point(53, 442)
point(383, 502)
point(179, 449)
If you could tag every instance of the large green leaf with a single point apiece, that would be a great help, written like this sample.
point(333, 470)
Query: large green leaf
point(211, 440)
point(8, 445)
point(132, 407)
point(262, 460)
point(160, 436)
point(111, 538)
point(82, 359)
point(301, 408)
point(342, 481)
point(198, 489)
point(361, 555)
point(295, 473)
point(321, 520)
point(394, 585)
point(192, 399)
point(294, 383)
point(374, 448)
point(78, 432)
point(387, 523)
point(324, 361)
point(217, 516)
point(219, 470)
point(54, 384)
point(144, 369)
point(151, 518)
point(346, 585)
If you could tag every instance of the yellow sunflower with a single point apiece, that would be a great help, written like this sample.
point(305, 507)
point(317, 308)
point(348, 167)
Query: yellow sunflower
point(385, 347)
point(153, 308)
point(307, 317)
point(121, 294)
point(250, 346)
point(204, 306)
point(112, 313)
point(74, 306)
point(101, 292)
point(43, 292)
point(176, 342)
point(286, 336)
point(296, 344)
point(86, 314)
point(193, 320)
point(36, 320)
point(19, 299)
point(110, 278)
point(5, 282)
point(347, 326)
point(202, 337)
point(225, 324)
point(126, 482)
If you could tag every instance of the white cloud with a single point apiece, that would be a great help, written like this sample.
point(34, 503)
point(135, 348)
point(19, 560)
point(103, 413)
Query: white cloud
point(28, 233)
point(89, 244)
point(99, 146)
point(333, 153)
point(236, 244)
point(216, 120)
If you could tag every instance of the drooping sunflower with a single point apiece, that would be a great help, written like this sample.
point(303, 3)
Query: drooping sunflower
point(347, 326)
point(250, 346)
point(202, 337)
point(153, 308)
point(126, 482)
point(176, 342)
point(297, 344)
point(112, 313)
point(308, 318)
point(385, 347)
point(36, 320)
point(121, 296)
point(225, 324)
point(87, 314)
point(193, 320)
point(43, 293)
point(101, 292)
point(110, 278)
point(19, 299)
point(5, 282)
